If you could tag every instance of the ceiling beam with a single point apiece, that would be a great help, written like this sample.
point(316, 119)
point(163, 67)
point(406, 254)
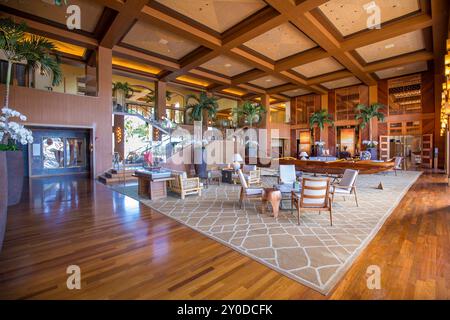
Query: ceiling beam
point(422, 55)
point(387, 31)
point(122, 23)
point(282, 88)
point(138, 56)
point(330, 77)
point(301, 58)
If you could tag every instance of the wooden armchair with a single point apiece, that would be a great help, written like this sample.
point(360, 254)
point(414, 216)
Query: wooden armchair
point(186, 186)
point(246, 191)
point(314, 196)
point(347, 185)
point(254, 177)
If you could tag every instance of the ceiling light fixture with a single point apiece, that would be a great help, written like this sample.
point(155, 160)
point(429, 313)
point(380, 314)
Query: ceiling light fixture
point(163, 41)
point(389, 46)
point(227, 65)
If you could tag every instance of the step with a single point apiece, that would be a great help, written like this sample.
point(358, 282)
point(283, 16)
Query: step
point(104, 179)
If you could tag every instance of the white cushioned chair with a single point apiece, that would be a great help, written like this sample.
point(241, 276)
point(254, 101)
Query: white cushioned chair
point(246, 191)
point(347, 185)
point(287, 174)
point(185, 186)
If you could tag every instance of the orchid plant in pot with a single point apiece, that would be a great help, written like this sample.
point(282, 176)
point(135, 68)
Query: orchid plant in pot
point(36, 53)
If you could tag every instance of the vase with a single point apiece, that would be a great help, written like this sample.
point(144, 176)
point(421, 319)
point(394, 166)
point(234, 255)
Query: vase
point(373, 153)
point(14, 167)
point(3, 196)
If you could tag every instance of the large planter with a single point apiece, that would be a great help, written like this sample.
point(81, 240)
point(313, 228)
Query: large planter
point(3, 196)
point(373, 153)
point(14, 167)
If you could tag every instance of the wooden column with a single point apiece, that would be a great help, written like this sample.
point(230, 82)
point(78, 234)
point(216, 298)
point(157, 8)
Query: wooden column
point(265, 124)
point(324, 133)
point(91, 75)
point(160, 99)
point(373, 98)
point(103, 141)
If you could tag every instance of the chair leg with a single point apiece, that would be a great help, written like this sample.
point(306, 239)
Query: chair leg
point(331, 218)
point(298, 216)
point(241, 198)
point(356, 197)
point(395, 171)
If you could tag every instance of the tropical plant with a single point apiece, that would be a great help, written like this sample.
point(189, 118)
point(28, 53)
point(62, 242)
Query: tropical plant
point(150, 97)
point(36, 52)
point(251, 111)
point(366, 113)
point(202, 104)
point(320, 118)
point(125, 87)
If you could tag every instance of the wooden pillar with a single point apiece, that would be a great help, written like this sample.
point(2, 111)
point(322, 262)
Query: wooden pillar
point(91, 75)
point(102, 126)
point(160, 99)
point(265, 101)
point(373, 98)
point(324, 134)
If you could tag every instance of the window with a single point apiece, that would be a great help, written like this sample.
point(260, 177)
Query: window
point(305, 106)
point(346, 101)
point(405, 95)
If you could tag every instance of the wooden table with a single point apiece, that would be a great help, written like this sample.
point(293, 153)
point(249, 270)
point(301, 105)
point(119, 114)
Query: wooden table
point(154, 189)
point(273, 196)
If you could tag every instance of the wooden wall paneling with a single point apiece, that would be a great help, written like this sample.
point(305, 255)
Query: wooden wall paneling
point(427, 92)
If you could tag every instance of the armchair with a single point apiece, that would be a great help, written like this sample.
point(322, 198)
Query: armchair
point(185, 186)
point(346, 186)
point(246, 191)
point(287, 174)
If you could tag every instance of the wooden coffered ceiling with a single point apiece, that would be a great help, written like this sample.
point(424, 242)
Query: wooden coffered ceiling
point(244, 48)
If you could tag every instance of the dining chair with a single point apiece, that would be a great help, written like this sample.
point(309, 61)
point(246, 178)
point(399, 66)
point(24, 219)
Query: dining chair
point(347, 185)
point(246, 191)
point(315, 195)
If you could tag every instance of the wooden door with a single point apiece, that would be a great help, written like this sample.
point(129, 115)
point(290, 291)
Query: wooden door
point(384, 148)
point(427, 150)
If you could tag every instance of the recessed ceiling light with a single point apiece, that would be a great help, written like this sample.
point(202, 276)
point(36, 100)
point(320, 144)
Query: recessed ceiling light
point(389, 46)
point(400, 68)
point(227, 65)
point(268, 80)
point(163, 41)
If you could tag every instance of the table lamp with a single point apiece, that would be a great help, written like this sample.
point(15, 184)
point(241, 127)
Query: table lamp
point(303, 155)
point(236, 159)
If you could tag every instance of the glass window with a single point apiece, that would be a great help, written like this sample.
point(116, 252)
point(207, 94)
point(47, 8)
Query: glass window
point(346, 101)
point(405, 95)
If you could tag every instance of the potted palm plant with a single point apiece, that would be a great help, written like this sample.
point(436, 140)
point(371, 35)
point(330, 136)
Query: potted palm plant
point(319, 119)
point(252, 112)
point(365, 114)
point(122, 91)
point(203, 107)
point(37, 53)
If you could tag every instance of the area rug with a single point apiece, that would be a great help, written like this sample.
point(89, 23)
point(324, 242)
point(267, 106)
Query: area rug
point(314, 253)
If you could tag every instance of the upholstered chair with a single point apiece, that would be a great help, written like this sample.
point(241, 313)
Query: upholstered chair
point(347, 185)
point(313, 196)
point(246, 191)
point(185, 186)
point(287, 174)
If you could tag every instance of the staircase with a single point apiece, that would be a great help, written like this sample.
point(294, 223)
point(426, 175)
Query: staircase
point(113, 176)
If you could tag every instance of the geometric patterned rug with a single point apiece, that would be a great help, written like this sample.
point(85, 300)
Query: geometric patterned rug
point(314, 253)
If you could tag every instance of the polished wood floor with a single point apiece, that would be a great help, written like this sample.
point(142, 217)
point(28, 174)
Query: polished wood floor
point(127, 251)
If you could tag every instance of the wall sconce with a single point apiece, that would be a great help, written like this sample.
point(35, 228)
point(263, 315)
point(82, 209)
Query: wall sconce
point(118, 134)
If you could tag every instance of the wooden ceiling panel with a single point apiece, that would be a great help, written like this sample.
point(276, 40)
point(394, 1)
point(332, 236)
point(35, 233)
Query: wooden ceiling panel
point(158, 40)
point(226, 66)
point(341, 83)
point(406, 43)
point(349, 16)
point(402, 70)
point(218, 15)
point(281, 42)
point(296, 92)
point(52, 12)
point(319, 67)
point(268, 82)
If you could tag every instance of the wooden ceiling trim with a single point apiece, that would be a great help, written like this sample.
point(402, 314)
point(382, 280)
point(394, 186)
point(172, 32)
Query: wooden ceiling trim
point(282, 88)
point(211, 77)
point(422, 55)
point(341, 74)
point(145, 58)
point(55, 33)
point(389, 30)
point(247, 76)
point(301, 59)
point(122, 23)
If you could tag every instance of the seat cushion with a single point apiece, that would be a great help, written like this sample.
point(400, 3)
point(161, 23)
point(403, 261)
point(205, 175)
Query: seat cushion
point(341, 190)
point(253, 191)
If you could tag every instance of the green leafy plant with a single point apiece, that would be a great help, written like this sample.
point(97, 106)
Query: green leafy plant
point(320, 118)
point(365, 114)
point(202, 104)
point(150, 97)
point(125, 87)
point(35, 52)
point(252, 112)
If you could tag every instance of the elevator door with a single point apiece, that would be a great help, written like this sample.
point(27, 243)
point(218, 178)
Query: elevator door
point(59, 152)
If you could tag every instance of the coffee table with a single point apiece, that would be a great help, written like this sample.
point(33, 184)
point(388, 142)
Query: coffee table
point(286, 193)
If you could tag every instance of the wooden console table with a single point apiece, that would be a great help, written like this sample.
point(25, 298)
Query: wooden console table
point(154, 189)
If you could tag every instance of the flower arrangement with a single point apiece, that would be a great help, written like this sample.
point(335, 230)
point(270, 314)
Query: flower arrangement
point(370, 143)
point(319, 143)
point(11, 130)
